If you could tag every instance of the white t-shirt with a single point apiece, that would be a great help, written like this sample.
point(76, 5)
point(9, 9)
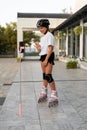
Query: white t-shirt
point(46, 40)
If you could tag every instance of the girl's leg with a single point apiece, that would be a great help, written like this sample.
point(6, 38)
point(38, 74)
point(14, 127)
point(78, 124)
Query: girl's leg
point(45, 83)
point(43, 93)
point(53, 100)
point(48, 70)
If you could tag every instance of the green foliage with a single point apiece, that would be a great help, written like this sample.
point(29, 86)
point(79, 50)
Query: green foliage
point(29, 35)
point(62, 34)
point(77, 30)
point(8, 38)
point(71, 65)
point(18, 59)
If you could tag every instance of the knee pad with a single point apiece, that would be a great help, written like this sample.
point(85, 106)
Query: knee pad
point(44, 76)
point(49, 78)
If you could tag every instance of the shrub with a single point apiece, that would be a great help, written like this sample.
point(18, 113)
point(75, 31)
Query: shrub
point(18, 59)
point(71, 64)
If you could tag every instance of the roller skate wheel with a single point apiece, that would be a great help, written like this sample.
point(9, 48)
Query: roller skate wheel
point(51, 104)
point(42, 99)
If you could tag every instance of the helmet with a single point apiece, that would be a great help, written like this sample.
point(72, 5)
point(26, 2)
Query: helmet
point(43, 22)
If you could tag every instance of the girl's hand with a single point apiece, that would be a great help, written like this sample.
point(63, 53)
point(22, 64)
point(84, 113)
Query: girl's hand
point(45, 62)
point(37, 45)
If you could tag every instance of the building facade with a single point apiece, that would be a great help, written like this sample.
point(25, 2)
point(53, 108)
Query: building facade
point(72, 35)
point(70, 31)
point(27, 22)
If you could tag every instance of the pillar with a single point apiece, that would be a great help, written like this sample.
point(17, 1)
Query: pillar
point(19, 38)
point(67, 43)
point(81, 41)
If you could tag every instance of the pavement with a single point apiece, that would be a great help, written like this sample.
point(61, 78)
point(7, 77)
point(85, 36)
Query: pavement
point(71, 112)
point(8, 70)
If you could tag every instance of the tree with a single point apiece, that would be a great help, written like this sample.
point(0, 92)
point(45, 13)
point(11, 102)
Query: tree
point(2, 40)
point(29, 35)
point(11, 36)
point(8, 38)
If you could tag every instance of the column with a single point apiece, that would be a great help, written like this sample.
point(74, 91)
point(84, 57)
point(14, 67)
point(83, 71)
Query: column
point(67, 43)
point(71, 42)
point(19, 38)
point(81, 41)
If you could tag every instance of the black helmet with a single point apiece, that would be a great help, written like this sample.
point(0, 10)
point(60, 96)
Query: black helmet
point(43, 22)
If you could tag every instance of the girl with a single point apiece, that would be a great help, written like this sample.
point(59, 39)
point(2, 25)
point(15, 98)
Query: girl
point(46, 52)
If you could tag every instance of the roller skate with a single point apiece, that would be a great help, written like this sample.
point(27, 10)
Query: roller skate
point(53, 100)
point(43, 95)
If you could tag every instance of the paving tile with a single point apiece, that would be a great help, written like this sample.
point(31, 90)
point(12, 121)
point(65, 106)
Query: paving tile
point(71, 112)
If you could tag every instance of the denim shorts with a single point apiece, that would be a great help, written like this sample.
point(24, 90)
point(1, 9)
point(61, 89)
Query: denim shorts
point(50, 60)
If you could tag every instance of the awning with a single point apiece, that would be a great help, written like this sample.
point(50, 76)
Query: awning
point(74, 19)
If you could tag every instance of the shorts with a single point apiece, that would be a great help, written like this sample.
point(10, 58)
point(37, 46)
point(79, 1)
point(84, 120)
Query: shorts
point(50, 60)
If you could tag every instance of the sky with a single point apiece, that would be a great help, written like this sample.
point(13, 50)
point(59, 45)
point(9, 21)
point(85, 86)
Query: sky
point(10, 8)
